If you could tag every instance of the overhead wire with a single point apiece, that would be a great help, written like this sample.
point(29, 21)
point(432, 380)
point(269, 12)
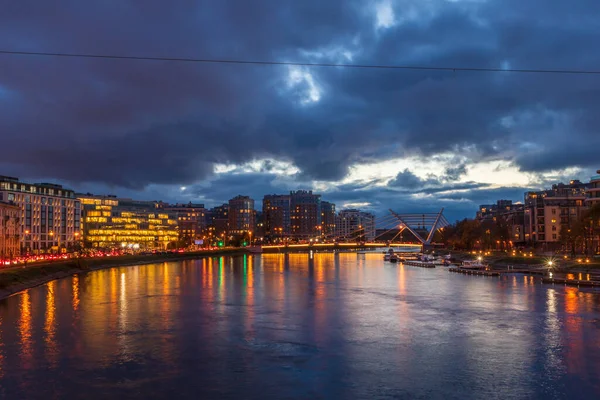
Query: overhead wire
point(302, 64)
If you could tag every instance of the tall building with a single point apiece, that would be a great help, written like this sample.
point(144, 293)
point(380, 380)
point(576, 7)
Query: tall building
point(305, 214)
point(111, 222)
point(592, 200)
point(191, 220)
point(276, 216)
point(50, 214)
point(241, 215)
point(327, 219)
point(10, 226)
point(546, 211)
point(355, 225)
point(259, 233)
point(217, 222)
point(594, 189)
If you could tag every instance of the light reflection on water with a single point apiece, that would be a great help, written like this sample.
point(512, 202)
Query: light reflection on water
point(298, 326)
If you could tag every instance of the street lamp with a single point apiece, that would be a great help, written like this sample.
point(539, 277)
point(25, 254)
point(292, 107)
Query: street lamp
point(51, 234)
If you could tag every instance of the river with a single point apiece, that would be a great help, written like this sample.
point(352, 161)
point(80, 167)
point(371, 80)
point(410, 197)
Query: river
point(274, 326)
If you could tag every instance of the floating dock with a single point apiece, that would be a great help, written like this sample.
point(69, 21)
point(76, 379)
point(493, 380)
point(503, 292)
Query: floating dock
point(419, 264)
point(478, 272)
point(571, 282)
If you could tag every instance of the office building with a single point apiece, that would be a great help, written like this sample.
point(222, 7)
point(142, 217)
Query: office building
point(305, 214)
point(241, 215)
point(10, 226)
point(276, 216)
point(110, 222)
point(50, 215)
point(355, 225)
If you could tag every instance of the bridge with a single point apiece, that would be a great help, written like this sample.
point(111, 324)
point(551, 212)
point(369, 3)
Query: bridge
point(334, 246)
point(421, 226)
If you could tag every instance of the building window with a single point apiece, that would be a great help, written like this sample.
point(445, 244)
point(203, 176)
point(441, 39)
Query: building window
point(554, 236)
point(554, 211)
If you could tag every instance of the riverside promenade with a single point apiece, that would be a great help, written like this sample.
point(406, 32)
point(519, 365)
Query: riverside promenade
point(18, 278)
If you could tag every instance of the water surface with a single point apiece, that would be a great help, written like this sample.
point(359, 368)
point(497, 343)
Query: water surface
point(331, 326)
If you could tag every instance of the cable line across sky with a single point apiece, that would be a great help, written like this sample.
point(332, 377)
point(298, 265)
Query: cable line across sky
point(302, 64)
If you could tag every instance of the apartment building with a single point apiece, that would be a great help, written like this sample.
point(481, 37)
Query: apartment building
point(50, 215)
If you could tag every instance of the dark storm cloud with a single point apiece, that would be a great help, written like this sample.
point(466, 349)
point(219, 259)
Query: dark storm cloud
point(135, 123)
point(407, 180)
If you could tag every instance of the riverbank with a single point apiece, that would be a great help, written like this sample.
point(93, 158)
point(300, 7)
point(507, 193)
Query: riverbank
point(502, 261)
point(17, 279)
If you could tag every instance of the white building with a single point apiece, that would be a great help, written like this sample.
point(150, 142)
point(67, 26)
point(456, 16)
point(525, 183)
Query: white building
point(50, 215)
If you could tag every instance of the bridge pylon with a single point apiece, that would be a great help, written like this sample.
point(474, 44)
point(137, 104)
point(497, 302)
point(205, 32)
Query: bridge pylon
point(427, 223)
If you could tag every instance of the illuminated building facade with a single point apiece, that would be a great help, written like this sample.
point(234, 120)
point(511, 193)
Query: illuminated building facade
point(276, 216)
point(548, 210)
point(594, 189)
point(492, 210)
point(355, 225)
point(305, 214)
point(217, 223)
point(10, 244)
point(242, 216)
point(111, 222)
point(327, 219)
point(592, 200)
point(191, 220)
point(50, 215)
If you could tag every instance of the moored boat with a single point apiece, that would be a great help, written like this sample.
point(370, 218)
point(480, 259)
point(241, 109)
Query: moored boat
point(388, 256)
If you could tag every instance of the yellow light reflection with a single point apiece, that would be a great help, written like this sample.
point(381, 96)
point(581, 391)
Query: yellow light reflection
point(25, 327)
point(75, 291)
point(50, 323)
point(123, 302)
point(571, 300)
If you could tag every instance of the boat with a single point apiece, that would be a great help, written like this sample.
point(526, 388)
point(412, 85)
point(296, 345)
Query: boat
point(388, 256)
point(394, 258)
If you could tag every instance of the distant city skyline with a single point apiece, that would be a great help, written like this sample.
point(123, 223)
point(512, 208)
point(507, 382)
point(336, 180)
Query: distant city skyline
point(463, 204)
point(367, 138)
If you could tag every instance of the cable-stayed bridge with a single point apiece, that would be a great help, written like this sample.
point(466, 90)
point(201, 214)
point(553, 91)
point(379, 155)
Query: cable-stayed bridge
point(392, 230)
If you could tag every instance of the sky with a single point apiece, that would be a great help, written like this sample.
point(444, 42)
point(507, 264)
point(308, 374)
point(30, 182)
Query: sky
point(411, 140)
